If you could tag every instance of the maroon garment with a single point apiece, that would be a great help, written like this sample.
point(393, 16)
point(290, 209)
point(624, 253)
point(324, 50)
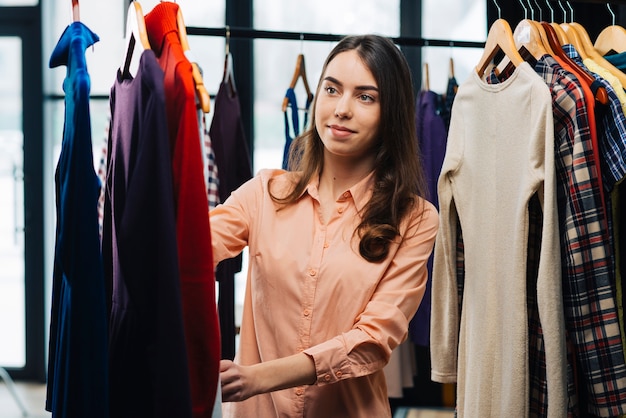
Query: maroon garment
point(195, 252)
point(148, 361)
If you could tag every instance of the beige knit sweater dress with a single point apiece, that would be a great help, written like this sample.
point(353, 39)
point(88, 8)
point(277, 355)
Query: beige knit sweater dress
point(500, 153)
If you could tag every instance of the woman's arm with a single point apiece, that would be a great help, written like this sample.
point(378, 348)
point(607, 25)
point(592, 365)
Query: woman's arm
point(242, 382)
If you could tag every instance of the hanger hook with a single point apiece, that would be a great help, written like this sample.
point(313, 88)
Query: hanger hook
point(499, 10)
point(571, 11)
point(551, 11)
point(301, 43)
point(525, 9)
point(608, 6)
point(227, 39)
point(540, 11)
point(532, 11)
point(564, 12)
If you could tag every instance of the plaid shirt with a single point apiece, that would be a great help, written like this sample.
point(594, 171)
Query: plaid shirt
point(611, 130)
point(594, 341)
point(211, 173)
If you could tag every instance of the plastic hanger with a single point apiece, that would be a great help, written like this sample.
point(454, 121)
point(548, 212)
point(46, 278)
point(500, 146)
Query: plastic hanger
point(299, 72)
point(229, 76)
point(75, 11)
point(136, 38)
point(204, 98)
point(611, 38)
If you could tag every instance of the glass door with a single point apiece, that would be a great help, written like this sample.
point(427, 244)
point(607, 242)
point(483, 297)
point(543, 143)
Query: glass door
point(12, 279)
point(22, 302)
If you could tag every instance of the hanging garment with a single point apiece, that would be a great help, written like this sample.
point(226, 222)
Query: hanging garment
point(235, 168)
point(446, 111)
point(432, 136)
point(578, 181)
point(292, 104)
point(78, 366)
point(212, 176)
point(500, 154)
point(148, 359)
point(193, 233)
point(612, 139)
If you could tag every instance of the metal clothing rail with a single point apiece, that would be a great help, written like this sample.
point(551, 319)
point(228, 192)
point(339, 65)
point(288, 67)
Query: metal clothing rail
point(248, 33)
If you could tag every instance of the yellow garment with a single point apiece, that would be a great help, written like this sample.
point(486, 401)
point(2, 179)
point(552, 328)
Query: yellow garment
point(594, 67)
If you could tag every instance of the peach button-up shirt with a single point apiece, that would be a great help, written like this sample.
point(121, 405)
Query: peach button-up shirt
point(308, 290)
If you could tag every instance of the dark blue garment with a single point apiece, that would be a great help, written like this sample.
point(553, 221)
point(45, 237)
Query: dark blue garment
point(295, 122)
point(234, 167)
point(618, 60)
point(432, 136)
point(147, 353)
point(77, 368)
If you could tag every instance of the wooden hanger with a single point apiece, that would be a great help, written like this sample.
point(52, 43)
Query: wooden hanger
point(560, 33)
point(544, 38)
point(451, 74)
point(136, 38)
point(574, 39)
point(499, 38)
point(595, 56)
point(584, 77)
point(611, 38)
point(299, 72)
point(425, 78)
point(75, 11)
point(204, 98)
point(528, 36)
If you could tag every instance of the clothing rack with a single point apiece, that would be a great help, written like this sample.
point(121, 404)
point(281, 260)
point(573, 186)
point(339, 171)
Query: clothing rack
point(248, 33)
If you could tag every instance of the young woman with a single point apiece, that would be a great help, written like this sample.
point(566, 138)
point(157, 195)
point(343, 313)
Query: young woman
point(338, 247)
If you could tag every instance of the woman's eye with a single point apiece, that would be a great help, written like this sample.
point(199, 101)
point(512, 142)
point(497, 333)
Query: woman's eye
point(331, 90)
point(367, 98)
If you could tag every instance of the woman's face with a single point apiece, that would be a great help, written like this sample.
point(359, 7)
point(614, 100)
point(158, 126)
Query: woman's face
point(347, 111)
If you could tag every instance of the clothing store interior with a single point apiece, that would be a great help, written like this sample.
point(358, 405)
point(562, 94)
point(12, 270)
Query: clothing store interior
point(260, 61)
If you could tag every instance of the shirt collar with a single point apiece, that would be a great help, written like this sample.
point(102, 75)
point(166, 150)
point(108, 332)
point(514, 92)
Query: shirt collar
point(361, 192)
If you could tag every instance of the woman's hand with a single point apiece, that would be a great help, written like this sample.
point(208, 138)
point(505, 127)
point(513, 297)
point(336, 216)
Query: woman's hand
point(241, 382)
point(237, 381)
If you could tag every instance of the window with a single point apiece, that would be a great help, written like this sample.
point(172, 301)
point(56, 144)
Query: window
point(452, 20)
point(275, 60)
point(12, 277)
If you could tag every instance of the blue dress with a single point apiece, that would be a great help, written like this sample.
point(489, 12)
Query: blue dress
point(77, 368)
point(295, 122)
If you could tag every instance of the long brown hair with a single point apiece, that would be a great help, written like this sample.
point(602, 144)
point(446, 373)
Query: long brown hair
point(398, 174)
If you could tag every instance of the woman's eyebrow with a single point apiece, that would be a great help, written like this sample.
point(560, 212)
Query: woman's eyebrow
point(365, 87)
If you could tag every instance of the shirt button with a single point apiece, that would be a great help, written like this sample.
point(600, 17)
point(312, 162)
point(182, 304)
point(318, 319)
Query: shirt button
point(312, 272)
point(326, 245)
point(340, 210)
point(327, 377)
point(338, 374)
point(307, 312)
point(346, 194)
point(299, 392)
